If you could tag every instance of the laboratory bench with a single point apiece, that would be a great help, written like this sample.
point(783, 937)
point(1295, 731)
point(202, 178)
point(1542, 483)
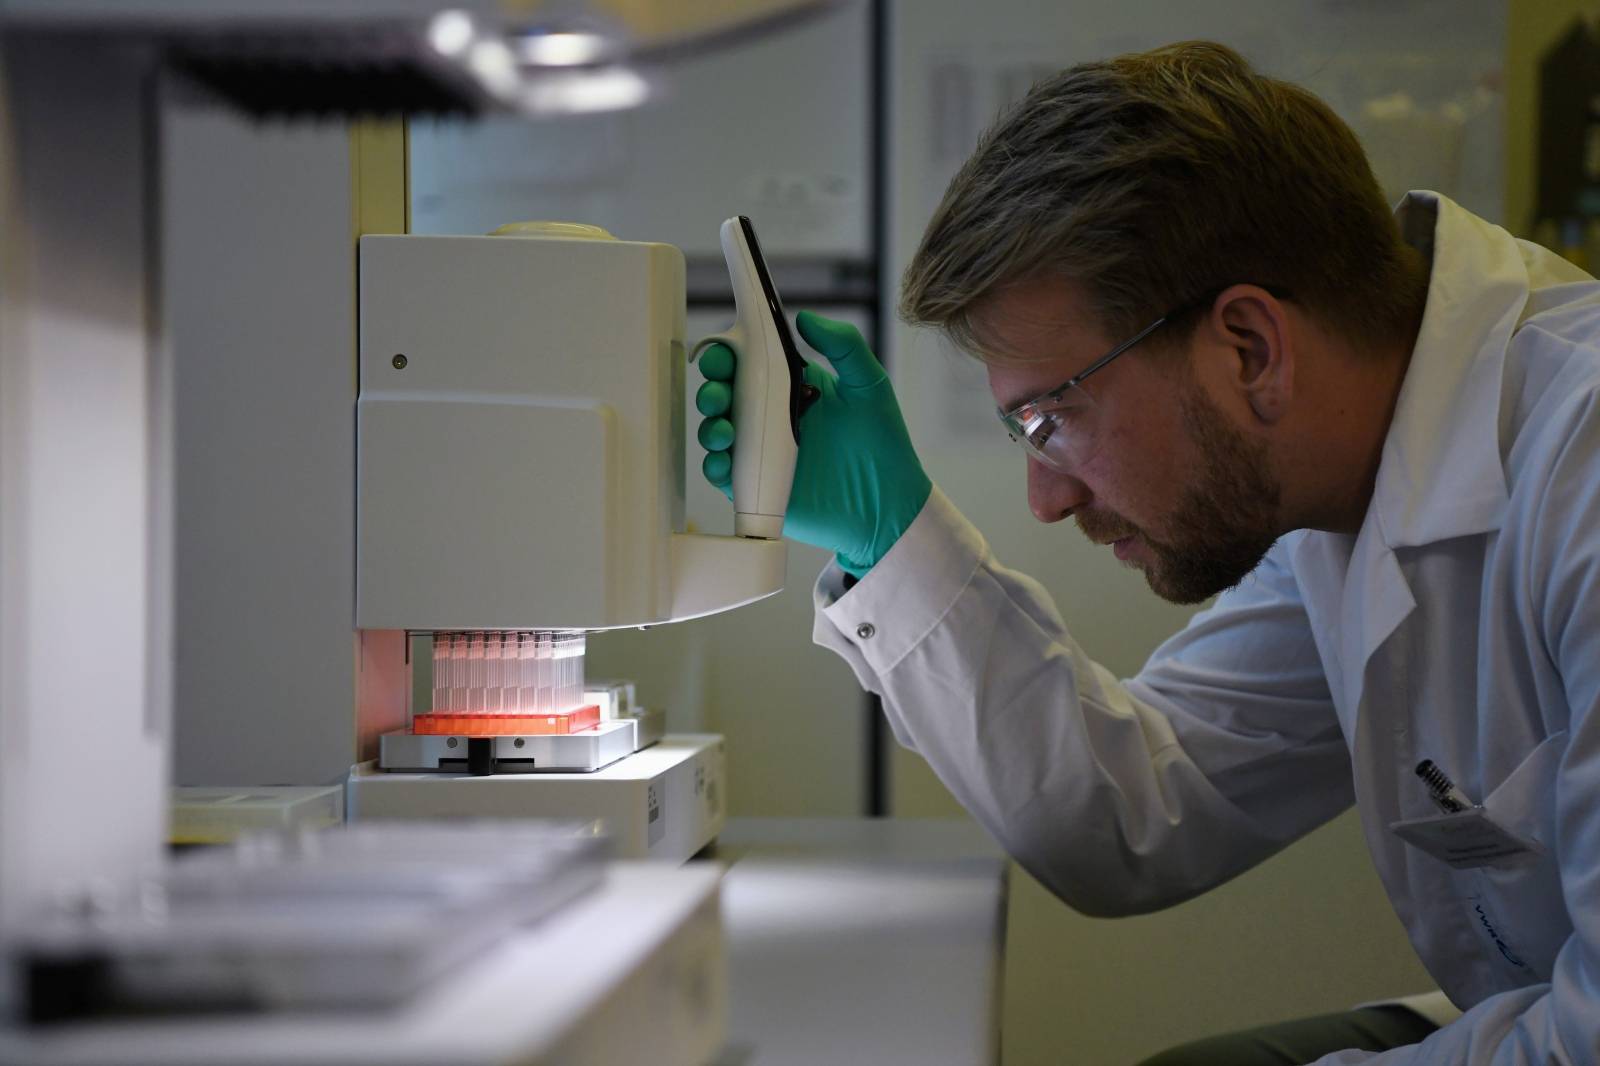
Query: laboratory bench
point(870, 941)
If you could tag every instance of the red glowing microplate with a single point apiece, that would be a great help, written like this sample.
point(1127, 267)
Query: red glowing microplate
point(485, 724)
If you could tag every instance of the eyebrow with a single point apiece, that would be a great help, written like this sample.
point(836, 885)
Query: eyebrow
point(1012, 403)
point(981, 351)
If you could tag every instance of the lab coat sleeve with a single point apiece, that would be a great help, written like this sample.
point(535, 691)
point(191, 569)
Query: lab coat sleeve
point(1120, 797)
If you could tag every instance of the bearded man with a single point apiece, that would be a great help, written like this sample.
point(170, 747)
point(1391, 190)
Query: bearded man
point(1373, 436)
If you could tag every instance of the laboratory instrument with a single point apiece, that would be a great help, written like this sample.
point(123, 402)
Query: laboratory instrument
point(84, 83)
point(520, 482)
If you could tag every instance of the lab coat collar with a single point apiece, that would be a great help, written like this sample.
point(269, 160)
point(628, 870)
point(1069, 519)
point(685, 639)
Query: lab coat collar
point(1440, 475)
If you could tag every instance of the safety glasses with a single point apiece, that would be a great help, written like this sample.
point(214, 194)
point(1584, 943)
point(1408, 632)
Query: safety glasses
point(1059, 427)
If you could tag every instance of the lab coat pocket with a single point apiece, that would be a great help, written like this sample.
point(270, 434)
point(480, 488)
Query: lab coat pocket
point(1510, 831)
point(1528, 896)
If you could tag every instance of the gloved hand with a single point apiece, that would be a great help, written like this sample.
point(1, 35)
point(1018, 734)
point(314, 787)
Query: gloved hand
point(857, 482)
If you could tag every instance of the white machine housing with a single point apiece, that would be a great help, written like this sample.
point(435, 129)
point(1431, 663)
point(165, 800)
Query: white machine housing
point(665, 803)
point(520, 433)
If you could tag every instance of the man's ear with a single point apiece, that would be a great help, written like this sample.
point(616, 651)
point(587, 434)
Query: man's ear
point(1253, 326)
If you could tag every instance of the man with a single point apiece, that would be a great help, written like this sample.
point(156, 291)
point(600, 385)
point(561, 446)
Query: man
point(1374, 435)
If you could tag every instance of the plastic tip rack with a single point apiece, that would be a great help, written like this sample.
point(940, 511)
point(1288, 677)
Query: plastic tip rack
point(507, 681)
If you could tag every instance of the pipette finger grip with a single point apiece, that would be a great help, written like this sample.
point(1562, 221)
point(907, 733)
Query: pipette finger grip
point(769, 389)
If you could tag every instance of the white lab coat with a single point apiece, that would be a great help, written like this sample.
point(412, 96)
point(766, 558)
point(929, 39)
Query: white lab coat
point(1462, 625)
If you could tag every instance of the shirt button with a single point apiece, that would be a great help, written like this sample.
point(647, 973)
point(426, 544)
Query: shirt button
point(865, 630)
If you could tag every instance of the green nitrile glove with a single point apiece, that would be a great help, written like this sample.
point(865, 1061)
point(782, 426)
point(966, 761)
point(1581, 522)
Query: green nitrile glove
point(857, 482)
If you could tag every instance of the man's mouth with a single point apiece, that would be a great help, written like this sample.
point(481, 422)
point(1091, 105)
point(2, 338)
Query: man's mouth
point(1109, 531)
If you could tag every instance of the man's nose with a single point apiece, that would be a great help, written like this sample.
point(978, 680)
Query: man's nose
point(1053, 495)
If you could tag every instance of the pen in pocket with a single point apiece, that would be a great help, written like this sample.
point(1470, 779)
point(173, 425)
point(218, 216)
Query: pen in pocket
point(1449, 798)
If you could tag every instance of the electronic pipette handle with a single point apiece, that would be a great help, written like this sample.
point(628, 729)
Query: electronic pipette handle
point(770, 392)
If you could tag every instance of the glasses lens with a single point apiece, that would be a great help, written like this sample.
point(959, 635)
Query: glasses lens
point(1057, 430)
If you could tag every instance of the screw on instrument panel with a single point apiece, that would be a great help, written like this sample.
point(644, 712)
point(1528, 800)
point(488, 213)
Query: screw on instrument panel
point(399, 362)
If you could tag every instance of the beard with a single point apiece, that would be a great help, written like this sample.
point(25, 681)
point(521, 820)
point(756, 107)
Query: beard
point(1224, 522)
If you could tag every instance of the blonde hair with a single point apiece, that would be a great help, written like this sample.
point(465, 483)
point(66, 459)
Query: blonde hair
point(1156, 177)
